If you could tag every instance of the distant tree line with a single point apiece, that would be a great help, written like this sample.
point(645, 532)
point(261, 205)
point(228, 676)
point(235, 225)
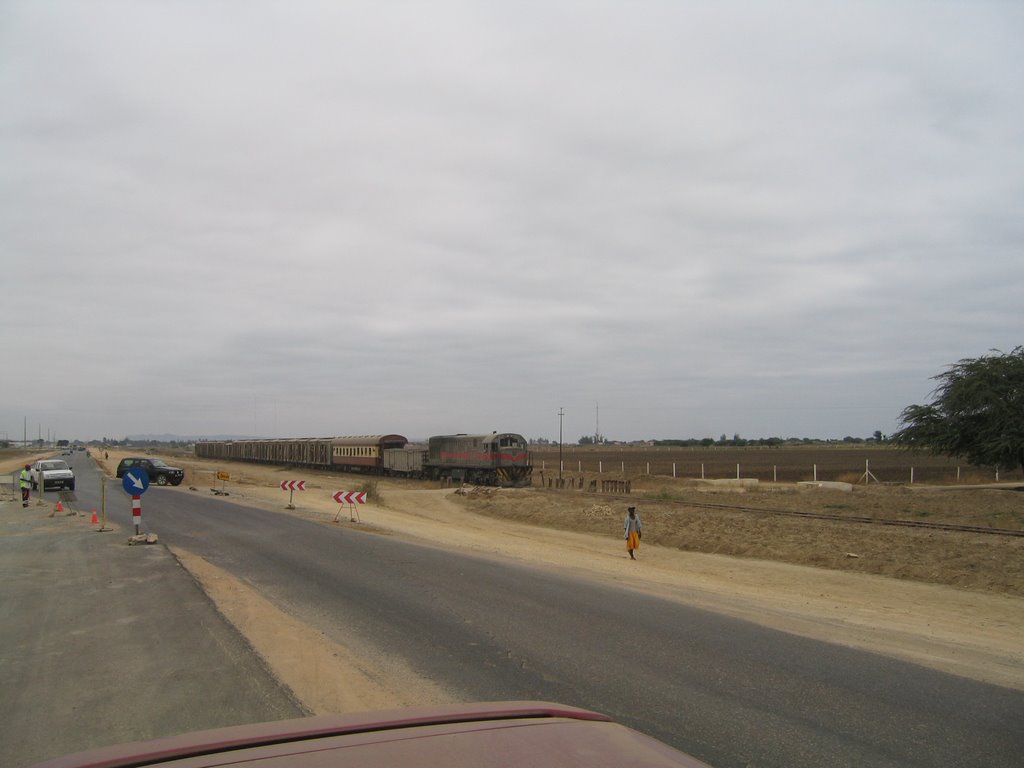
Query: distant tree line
point(133, 443)
point(723, 441)
point(765, 442)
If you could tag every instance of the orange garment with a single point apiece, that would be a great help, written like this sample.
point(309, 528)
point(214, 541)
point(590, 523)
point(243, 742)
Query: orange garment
point(633, 541)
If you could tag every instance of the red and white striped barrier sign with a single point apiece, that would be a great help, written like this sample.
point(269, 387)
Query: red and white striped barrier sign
point(350, 497)
point(137, 512)
point(293, 485)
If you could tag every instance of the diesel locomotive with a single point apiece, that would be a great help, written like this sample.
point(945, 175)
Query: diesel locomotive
point(498, 458)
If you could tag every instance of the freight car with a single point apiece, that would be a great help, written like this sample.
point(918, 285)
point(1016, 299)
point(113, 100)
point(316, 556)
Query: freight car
point(492, 459)
point(352, 454)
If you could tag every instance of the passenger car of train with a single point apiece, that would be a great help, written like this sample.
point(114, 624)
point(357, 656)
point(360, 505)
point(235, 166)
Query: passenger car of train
point(498, 458)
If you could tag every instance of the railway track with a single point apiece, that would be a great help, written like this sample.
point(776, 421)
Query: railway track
point(845, 518)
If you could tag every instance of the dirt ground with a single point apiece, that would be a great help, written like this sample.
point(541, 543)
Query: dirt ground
point(951, 601)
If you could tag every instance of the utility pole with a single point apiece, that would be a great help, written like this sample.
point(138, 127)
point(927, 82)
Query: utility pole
point(561, 413)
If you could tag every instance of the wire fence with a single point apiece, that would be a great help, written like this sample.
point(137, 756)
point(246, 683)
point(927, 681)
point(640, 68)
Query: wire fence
point(780, 466)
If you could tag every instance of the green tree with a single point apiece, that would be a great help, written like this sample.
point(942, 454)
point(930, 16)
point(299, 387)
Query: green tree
point(977, 412)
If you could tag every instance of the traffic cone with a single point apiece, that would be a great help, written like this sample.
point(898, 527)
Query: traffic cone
point(60, 506)
point(95, 518)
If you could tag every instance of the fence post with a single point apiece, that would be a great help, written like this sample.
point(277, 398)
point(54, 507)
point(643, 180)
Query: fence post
point(579, 465)
point(648, 468)
point(775, 473)
point(911, 475)
point(737, 471)
point(673, 469)
point(815, 473)
point(600, 466)
point(702, 471)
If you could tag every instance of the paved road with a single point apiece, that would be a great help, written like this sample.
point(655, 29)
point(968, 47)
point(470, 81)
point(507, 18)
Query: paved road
point(730, 692)
point(102, 643)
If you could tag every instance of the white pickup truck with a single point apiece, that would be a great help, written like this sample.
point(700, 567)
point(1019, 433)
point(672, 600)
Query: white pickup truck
point(55, 474)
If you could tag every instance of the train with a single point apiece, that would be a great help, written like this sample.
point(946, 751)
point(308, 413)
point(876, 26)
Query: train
point(498, 458)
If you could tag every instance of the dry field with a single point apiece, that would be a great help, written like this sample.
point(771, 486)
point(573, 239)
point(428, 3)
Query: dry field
point(674, 515)
point(784, 464)
point(691, 516)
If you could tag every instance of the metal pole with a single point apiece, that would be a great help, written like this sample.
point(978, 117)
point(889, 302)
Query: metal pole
point(561, 412)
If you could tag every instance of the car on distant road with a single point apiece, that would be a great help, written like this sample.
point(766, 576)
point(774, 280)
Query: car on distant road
point(535, 734)
point(159, 471)
point(54, 473)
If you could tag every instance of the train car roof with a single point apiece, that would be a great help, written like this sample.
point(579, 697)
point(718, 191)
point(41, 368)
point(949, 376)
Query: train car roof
point(368, 439)
point(484, 436)
point(281, 440)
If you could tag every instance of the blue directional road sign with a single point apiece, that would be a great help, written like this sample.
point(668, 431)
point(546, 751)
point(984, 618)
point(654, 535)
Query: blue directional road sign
point(135, 481)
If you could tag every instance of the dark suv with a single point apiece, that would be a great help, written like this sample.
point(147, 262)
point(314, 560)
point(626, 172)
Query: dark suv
point(159, 471)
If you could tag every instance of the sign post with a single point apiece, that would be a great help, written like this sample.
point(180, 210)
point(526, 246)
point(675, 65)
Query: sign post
point(351, 498)
point(103, 504)
point(291, 486)
point(135, 483)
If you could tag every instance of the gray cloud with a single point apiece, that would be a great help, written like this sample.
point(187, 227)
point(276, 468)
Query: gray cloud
point(343, 218)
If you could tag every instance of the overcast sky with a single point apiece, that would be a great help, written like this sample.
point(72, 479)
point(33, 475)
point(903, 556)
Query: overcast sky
point(332, 218)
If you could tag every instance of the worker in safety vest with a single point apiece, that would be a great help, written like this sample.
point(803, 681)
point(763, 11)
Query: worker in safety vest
point(26, 484)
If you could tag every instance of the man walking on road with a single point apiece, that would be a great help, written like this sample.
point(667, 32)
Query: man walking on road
point(26, 484)
point(632, 526)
